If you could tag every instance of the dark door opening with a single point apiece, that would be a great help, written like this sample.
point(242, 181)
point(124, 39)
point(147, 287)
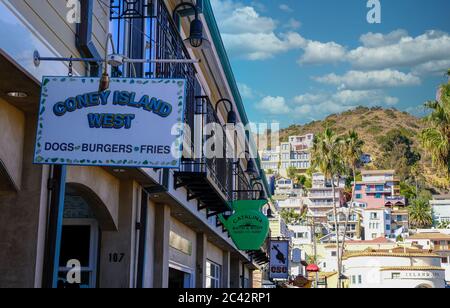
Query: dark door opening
point(179, 279)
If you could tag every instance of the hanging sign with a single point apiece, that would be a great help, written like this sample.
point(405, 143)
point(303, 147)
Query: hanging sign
point(135, 123)
point(248, 226)
point(279, 260)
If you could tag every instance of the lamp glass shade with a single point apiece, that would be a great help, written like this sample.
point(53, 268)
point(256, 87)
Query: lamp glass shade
point(232, 118)
point(251, 167)
point(196, 39)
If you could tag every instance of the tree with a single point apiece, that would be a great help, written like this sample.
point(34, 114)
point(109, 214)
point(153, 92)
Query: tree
point(398, 152)
point(444, 225)
point(291, 217)
point(301, 180)
point(408, 191)
point(420, 214)
point(327, 158)
point(417, 174)
point(436, 137)
point(352, 152)
point(292, 173)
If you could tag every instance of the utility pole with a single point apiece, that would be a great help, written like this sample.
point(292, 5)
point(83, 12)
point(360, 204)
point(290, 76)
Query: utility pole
point(313, 234)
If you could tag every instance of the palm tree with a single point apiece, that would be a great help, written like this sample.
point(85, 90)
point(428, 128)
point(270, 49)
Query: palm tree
point(420, 214)
point(352, 152)
point(327, 158)
point(416, 173)
point(444, 225)
point(436, 138)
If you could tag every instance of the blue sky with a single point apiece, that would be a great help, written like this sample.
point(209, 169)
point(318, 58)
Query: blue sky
point(301, 60)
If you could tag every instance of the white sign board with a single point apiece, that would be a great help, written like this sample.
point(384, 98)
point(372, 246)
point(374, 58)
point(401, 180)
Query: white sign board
point(279, 260)
point(135, 123)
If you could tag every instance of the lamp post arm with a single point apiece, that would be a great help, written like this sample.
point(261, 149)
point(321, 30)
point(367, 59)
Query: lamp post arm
point(224, 100)
point(191, 5)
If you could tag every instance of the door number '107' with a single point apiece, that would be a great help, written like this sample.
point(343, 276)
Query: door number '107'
point(116, 257)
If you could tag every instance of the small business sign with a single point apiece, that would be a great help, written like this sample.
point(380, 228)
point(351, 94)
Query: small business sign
point(248, 226)
point(279, 260)
point(135, 123)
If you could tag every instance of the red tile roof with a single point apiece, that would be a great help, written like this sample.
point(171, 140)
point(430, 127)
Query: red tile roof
point(380, 240)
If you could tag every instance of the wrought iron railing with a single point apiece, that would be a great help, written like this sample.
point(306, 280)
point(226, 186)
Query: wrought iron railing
point(152, 22)
point(164, 42)
point(217, 167)
point(243, 186)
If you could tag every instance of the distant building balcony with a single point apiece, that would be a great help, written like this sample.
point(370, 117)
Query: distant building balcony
point(392, 201)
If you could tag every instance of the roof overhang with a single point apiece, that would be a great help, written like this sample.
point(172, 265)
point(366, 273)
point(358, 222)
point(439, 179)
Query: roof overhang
point(15, 78)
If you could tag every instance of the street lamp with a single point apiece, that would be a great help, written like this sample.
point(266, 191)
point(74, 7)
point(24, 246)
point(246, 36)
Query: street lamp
point(262, 193)
point(231, 117)
point(196, 38)
point(251, 169)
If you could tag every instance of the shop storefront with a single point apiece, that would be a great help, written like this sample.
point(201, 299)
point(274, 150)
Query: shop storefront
point(124, 227)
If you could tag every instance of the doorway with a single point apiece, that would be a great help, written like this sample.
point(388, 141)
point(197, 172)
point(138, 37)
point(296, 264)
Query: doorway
point(180, 278)
point(79, 247)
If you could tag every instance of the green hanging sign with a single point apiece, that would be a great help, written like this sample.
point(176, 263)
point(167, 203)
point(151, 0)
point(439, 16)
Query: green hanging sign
point(248, 226)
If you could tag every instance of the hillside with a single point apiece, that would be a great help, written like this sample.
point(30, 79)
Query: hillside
point(368, 123)
point(373, 125)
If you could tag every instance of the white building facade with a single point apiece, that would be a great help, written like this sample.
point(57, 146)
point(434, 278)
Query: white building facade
point(441, 209)
point(394, 269)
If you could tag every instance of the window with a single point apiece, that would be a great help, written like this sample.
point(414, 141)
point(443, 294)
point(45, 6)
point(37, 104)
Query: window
point(445, 260)
point(358, 187)
point(213, 274)
point(379, 188)
point(333, 253)
point(353, 279)
point(378, 196)
point(360, 279)
point(388, 228)
point(396, 275)
point(358, 196)
point(373, 215)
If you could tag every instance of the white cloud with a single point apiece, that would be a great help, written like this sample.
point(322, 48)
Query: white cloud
point(248, 35)
point(274, 105)
point(286, 8)
point(422, 55)
point(439, 67)
point(319, 53)
point(371, 40)
point(319, 105)
point(309, 98)
point(247, 20)
point(293, 24)
point(349, 97)
point(358, 80)
point(398, 50)
point(246, 91)
point(261, 46)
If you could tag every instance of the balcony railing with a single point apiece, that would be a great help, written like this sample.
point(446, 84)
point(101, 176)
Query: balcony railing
point(207, 176)
point(209, 180)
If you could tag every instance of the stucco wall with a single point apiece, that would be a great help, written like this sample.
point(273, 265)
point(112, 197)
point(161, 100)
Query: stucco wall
point(186, 233)
point(19, 219)
point(12, 132)
point(104, 185)
point(214, 254)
